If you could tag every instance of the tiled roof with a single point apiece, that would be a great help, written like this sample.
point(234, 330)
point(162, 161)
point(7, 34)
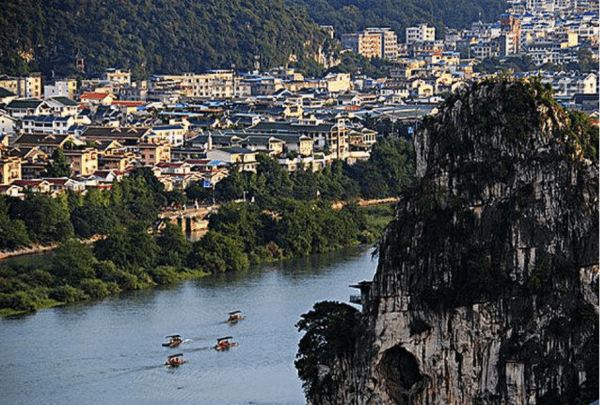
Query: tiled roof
point(39, 139)
point(266, 126)
point(93, 96)
point(65, 101)
point(115, 133)
point(36, 118)
point(167, 128)
point(237, 150)
point(6, 93)
point(22, 104)
point(128, 103)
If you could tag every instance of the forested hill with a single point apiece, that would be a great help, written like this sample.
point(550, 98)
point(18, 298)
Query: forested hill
point(150, 36)
point(353, 15)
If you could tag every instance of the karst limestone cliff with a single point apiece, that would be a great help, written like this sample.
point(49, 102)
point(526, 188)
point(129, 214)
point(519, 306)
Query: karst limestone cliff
point(486, 290)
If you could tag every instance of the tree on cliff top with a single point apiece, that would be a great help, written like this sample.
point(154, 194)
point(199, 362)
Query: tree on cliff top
point(330, 331)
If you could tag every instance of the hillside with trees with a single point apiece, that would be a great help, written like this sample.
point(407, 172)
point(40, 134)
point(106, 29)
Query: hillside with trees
point(354, 15)
point(174, 36)
point(151, 36)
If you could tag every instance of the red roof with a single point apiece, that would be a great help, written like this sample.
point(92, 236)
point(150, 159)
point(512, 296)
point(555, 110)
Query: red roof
point(106, 172)
point(126, 103)
point(56, 180)
point(92, 95)
point(26, 183)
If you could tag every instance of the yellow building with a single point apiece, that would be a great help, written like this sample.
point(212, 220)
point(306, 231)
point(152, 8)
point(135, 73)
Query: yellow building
point(83, 162)
point(26, 87)
point(153, 153)
point(10, 169)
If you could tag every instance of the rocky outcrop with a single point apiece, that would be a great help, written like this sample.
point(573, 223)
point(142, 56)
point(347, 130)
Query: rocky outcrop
point(486, 290)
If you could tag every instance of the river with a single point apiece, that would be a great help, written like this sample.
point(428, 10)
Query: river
point(110, 352)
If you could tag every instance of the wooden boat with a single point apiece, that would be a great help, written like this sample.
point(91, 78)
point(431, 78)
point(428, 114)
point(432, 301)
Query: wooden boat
point(175, 360)
point(235, 316)
point(224, 343)
point(174, 341)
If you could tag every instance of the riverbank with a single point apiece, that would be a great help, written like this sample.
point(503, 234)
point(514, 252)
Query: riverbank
point(37, 248)
point(74, 274)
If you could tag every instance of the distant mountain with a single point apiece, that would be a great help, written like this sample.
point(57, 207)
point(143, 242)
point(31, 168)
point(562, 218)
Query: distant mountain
point(149, 36)
point(354, 15)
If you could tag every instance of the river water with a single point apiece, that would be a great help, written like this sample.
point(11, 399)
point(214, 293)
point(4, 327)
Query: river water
point(110, 352)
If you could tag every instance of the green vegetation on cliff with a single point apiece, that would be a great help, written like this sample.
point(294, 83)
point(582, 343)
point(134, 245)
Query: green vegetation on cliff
point(497, 241)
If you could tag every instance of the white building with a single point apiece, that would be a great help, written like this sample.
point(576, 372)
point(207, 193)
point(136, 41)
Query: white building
point(61, 88)
point(47, 125)
point(420, 34)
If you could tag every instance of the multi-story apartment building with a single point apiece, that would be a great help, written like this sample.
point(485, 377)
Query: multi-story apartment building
point(46, 124)
point(84, 162)
point(26, 87)
point(61, 88)
point(569, 85)
point(10, 169)
point(420, 34)
point(216, 84)
point(363, 43)
point(372, 43)
point(510, 37)
point(483, 50)
point(118, 75)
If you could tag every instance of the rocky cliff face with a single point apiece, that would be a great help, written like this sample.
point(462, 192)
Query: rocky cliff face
point(487, 286)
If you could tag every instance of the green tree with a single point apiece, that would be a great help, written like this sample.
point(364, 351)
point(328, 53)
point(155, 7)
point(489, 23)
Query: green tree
point(276, 179)
point(173, 246)
point(304, 184)
point(330, 331)
point(94, 216)
point(58, 166)
point(13, 233)
point(218, 253)
point(72, 262)
point(232, 187)
point(46, 219)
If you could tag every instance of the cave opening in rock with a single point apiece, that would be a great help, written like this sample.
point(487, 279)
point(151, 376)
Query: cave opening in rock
point(400, 371)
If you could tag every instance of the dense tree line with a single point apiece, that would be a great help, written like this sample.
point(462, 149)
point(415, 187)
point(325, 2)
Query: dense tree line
point(153, 36)
point(286, 215)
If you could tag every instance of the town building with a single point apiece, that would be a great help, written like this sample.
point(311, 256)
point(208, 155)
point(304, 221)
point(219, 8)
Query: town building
point(421, 33)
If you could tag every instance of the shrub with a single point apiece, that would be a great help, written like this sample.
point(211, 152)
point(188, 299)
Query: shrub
point(94, 288)
point(164, 275)
point(67, 294)
point(19, 301)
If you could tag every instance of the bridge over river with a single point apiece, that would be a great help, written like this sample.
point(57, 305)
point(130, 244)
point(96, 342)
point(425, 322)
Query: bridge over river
point(191, 219)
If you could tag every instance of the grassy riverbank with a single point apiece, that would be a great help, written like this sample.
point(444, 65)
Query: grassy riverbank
point(73, 273)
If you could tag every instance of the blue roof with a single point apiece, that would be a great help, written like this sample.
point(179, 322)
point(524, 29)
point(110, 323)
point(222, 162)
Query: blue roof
point(167, 127)
point(37, 118)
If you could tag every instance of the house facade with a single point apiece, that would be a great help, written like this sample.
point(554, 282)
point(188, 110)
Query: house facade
point(84, 162)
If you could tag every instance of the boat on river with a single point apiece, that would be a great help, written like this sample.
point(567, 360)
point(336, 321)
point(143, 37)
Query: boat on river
point(175, 360)
point(224, 343)
point(174, 341)
point(235, 316)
